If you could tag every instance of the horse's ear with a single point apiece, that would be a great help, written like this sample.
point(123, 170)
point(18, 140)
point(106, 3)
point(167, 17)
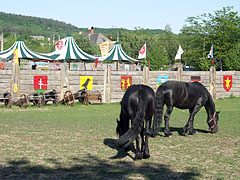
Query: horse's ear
point(117, 121)
point(218, 112)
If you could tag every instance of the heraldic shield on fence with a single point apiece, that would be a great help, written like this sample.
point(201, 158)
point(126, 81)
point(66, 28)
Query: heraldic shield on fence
point(227, 82)
point(40, 83)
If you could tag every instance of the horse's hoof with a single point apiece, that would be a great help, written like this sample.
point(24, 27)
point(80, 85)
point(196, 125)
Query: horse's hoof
point(167, 134)
point(138, 156)
point(146, 156)
point(153, 135)
point(191, 132)
point(184, 134)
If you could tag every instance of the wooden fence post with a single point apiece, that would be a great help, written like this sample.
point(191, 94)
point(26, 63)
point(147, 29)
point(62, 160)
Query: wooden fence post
point(109, 89)
point(212, 82)
point(18, 81)
point(105, 85)
point(147, 76)
point(180, 72)
point(144, 75)
point(62, 83)
point(12, 81)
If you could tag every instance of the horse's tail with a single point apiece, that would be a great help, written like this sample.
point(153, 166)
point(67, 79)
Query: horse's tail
point(138, 122)
point(159, 103)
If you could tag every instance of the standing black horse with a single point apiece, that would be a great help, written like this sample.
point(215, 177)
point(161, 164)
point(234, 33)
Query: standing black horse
point(137, 104)
point(184, 95)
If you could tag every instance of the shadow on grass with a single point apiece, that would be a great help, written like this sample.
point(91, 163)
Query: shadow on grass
point(180, 131)
point(121, 153)
point(91, 167)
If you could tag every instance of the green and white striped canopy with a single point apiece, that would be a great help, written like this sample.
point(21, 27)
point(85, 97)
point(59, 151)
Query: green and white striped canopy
point(116, 53)
point(69, 50)
point(25, 53)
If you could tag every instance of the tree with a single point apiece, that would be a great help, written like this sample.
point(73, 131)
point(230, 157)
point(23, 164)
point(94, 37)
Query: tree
point(221, 29)
point(170, 43)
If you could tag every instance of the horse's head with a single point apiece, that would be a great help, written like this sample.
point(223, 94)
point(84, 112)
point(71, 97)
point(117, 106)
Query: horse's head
point(213, 122)
point(122, 126)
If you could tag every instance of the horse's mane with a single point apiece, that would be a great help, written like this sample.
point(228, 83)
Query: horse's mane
point(209, 96)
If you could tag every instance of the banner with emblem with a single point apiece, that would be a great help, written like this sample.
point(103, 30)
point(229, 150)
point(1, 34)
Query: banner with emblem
point(86, 82)
point(15, 56)
point(104, 47)
point(126, 81)
point(227, 82)
point(196, 78)
point(162, 79)
point(60, 44)
point(40, 83)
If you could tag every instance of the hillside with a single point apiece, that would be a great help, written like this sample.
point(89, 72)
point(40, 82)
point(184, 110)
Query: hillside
point(27, 25)
point(34, 25)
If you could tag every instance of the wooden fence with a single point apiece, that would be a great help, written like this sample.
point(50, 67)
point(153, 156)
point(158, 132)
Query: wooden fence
point(110, 83)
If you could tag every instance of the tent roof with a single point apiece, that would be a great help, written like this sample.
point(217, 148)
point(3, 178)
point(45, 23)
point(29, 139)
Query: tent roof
point(70, 50)
point(25, 53)
point(116, 53)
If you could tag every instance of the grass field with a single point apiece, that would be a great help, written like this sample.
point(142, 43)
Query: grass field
point(79, 142)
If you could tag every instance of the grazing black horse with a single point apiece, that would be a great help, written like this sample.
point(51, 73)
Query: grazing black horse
point(137, 104)
point(184, 95)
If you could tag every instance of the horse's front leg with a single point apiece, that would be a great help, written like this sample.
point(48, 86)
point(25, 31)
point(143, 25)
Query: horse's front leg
point(192, 113)
point(185, 129)
point(166, 120)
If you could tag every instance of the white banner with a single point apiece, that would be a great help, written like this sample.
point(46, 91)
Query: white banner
point(179, 53)
point(143, 52)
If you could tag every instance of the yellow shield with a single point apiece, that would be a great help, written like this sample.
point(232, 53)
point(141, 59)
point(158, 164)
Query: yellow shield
point(86, 82)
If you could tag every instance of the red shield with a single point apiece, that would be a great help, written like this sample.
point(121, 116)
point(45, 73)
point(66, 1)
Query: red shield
point(227, 82)
point(59, 45)
point(126, 81)
point(2, 66)
point(40, 83)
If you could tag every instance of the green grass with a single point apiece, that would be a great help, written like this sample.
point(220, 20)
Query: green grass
point(79, 142)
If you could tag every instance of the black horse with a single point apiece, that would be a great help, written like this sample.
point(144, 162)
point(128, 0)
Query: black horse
point(184, 95)
point(137, 104)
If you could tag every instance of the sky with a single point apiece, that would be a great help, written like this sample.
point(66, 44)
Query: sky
point(129, 14)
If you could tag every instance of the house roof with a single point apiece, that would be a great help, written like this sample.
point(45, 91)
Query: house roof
point(99, 38)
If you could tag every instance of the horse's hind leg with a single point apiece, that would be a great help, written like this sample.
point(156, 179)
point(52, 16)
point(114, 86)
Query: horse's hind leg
point(145, 148)
point(166, 120)
point(138, 154)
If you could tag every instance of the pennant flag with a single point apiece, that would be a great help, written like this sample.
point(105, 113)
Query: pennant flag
point(210, 55)
point(179, 53)
point(104, 47)
point(143, 52)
